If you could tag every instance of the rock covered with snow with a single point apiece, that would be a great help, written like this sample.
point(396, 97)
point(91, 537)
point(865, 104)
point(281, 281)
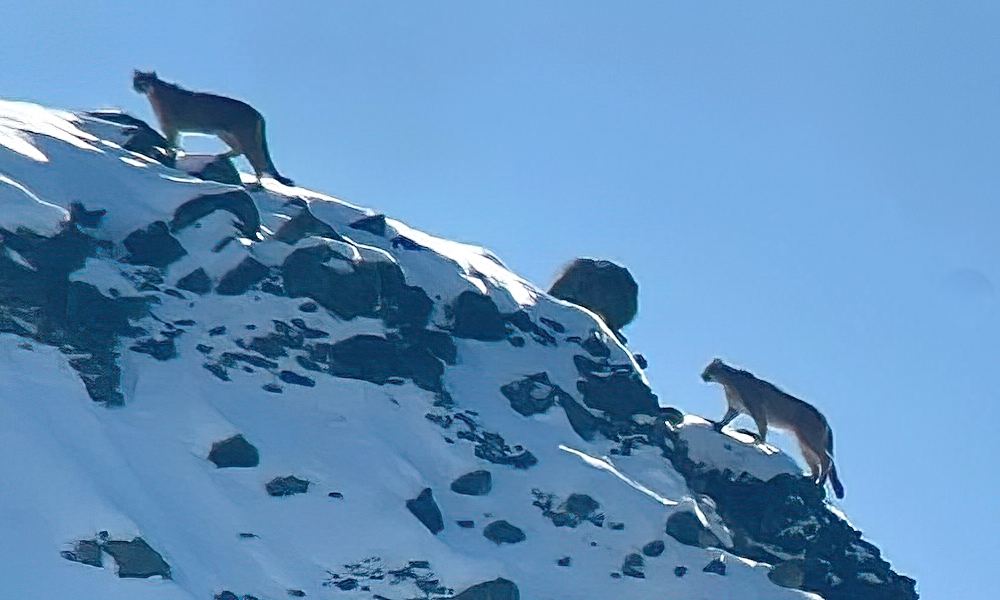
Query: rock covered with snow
point(221, 392)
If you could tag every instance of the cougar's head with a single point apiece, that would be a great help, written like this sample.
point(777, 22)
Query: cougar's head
point(712, 369)
point(142, 81)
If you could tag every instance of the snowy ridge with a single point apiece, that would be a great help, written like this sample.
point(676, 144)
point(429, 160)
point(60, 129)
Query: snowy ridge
point(149, 316)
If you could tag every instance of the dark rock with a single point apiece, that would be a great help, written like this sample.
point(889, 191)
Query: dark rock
point(498, 589)
point(226, 595)
point(153, 246)
point(308, 307)
point(641, 361)
point(237, 202)
point(336, 495)
point(517, 341)
point(618, 390)
point(426, 510)
point(406, 243)
point(374, 224)
point(209, 167)
point(239, 280)
point(680, 571)
point(287, 486)
point(596, 346)
point(374, 289)
point(163, 349)
point(137, 559)
point(248, 536)
point(218, 371)
point(586, 425)
point(229, 359)
point(602, 287)
point(633, 565)
point(577, 509)
point(295, 379)
point(307, 332)
point(466, 524)
point(614, 526)
point(522, 320)
point(305, 224)
point(220, 330)
point(564, 561)
point(196, 281)
point(717, 566)
point(476, 483)
point(788, 574)
point(555, 326)
point(654, 548)
point(419, 365)
point(534, 394)
point(82, 217)
point(140, 137)
point(672, 415)
point(439, 343)
point(297, 593)
point(477, 317)
point(685, 527)
point(87, 552)
point(234, 452)
point(502, 532)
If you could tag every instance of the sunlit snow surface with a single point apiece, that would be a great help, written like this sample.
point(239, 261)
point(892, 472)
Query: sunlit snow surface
point(72, 468)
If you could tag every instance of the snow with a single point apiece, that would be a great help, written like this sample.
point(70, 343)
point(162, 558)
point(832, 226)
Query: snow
point(75, 468)
point(734, 451)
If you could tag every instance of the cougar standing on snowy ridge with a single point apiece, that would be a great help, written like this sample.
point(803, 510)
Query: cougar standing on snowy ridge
point(236, 123)
point(768, 405)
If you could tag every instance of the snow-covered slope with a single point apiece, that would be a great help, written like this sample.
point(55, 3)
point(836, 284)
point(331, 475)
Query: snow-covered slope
point(219, 391)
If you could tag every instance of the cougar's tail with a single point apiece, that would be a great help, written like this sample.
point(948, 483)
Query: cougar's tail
point(838, 488)
point(269, 168)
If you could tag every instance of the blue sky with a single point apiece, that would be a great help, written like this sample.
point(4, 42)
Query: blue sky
point(808, 191)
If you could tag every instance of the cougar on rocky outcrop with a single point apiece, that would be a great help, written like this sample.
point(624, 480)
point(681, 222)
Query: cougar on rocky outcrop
point(768, 405)
point(236, 123)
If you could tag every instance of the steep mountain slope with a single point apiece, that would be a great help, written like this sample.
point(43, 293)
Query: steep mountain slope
point(219, 391)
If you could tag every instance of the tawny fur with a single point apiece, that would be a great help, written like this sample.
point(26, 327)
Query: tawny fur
point(768, 405)
point(236, 123)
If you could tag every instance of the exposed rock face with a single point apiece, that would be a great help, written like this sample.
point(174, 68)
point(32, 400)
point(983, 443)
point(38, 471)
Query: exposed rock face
point(234, 452)
point(502, 532)
point(426, 510)
point(287, 486)
point(601, 286)
point(787, 516)
point(498, 589)
point(476, 483)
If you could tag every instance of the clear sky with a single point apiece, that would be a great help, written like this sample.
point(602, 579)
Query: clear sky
point(808, 190)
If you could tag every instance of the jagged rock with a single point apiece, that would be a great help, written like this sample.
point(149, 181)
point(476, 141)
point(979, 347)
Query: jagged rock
point(87, 552)
point(374, 224)
point(654, 548)
point(717, 566)
point(237, 202)
point(82, 217)
point(789, 574)
point(502, 532)
point(685, 527)
point(210, 167)
point(234, 452)
point(498, 589)
point(295, 379)
point(242, 278)
point(375, 289)
point(672, 415)
point(305, 224)
point(226, 595)
point(680, 571)
point(618, 390)
point(160, 349)
point(426, 510)
point(534, 394)
point(565, 561)
point(633, 565)
point(141, 138)
point(576, 509)
point(602, 287)
point(522, 320)
point(137, 559)
point(153, 246)
point(476, 483)
point(477, 318)
point(196, 281)
point(287, 486)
